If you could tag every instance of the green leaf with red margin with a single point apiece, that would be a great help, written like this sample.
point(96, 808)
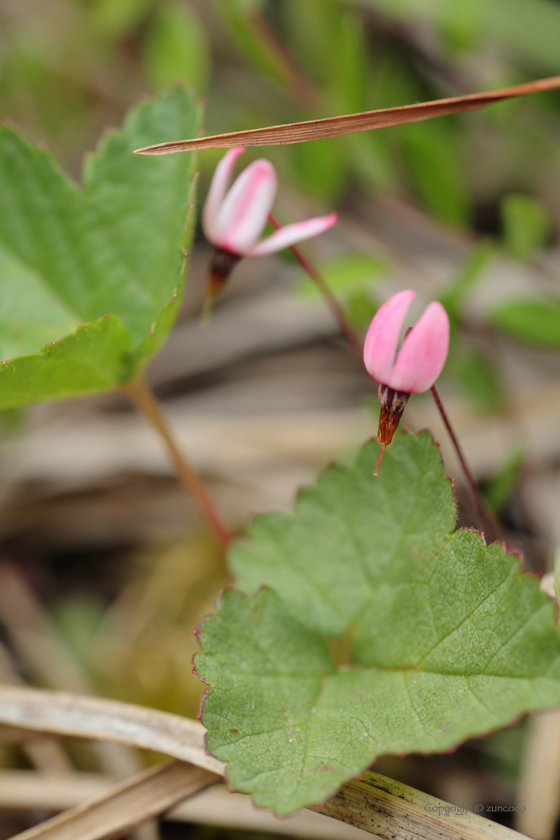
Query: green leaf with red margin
point(444, 637)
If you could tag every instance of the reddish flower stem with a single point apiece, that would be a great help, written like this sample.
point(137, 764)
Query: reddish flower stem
point(486, 518)
point(139, 393)
point(355, 344)
point(336, 310)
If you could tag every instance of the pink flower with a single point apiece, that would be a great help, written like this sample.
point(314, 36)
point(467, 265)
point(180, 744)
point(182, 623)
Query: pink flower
point(233, 222)
point(413, 368)
point(422, 356)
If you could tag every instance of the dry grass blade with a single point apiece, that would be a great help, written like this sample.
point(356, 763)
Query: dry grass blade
point(364, 121)
point(39, 648)
point(214, 806)
point(395, 811)
point(46, 755)
point(375, 804)
point(126, 805)
point(106, 720)
point(540, 777)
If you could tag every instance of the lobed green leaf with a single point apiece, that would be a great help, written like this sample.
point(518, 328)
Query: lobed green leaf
point(68, 257)
point(439, 636)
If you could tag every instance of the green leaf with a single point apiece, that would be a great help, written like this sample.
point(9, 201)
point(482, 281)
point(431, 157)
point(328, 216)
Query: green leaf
point(371, 160)
point(350, 277)
point(501, 486)
point(176, 47)
point(360, 310)
point(378, 632)
point(116, 17)
point(313, 31)
point(348, 65)
point(77, 619)
point(431, 154)
point(534, 321)
point(241, 20)
point(470, 272)
point(464, 25)
point(346, 275)
point(320, 167)
point(557, 575)
point(479, 378)
point(527, 28)
point(525, 223)
point(68, 257)
point(93, 358)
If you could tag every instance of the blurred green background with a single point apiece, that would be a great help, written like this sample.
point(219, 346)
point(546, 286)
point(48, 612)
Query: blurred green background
point(486, 182)
point(71, 67)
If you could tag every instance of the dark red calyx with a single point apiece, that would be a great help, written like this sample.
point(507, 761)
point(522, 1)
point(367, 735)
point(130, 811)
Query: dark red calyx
point(392, 406)
point(221, 266)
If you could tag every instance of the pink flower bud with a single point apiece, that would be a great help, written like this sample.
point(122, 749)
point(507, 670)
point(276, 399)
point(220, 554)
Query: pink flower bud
point(413, 368)
point(233, 221)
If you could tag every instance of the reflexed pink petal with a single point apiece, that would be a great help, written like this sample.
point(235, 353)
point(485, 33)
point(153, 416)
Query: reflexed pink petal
point(245, 208)
point(383, 336)
point(286, 236)
point(423, 354)
point(217, 191)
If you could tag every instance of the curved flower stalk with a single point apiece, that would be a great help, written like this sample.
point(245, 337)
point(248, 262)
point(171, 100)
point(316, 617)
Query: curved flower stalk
point(233, 221)
point(412, 369)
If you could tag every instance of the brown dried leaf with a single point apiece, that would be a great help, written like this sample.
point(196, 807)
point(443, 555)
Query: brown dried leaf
point(364, 121)
point(126, 805)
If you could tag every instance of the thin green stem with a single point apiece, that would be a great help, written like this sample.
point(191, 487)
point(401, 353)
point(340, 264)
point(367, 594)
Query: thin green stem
point(142, 397)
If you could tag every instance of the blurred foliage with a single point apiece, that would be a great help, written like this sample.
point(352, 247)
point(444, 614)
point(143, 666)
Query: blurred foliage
point(479, 378)
point(114, 18)
point(526, 225)
point(176, 48)
point(501, 486)
point(143, 648)
point(139, 648)
point(471, 270)
point(533, 321)
point(502, 752)
point(351, 278)
point(70, 70)
point(527, 28)
point(557, 575)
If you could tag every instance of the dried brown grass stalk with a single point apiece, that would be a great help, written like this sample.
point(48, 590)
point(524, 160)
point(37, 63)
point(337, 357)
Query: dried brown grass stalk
point(215, 806)
point(126, 805)
point(375, 804)
point(365, 121)
point(394, 811)
point(94, 718)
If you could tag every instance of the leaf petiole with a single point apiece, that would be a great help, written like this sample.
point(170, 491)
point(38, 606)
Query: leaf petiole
point(142, 397)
